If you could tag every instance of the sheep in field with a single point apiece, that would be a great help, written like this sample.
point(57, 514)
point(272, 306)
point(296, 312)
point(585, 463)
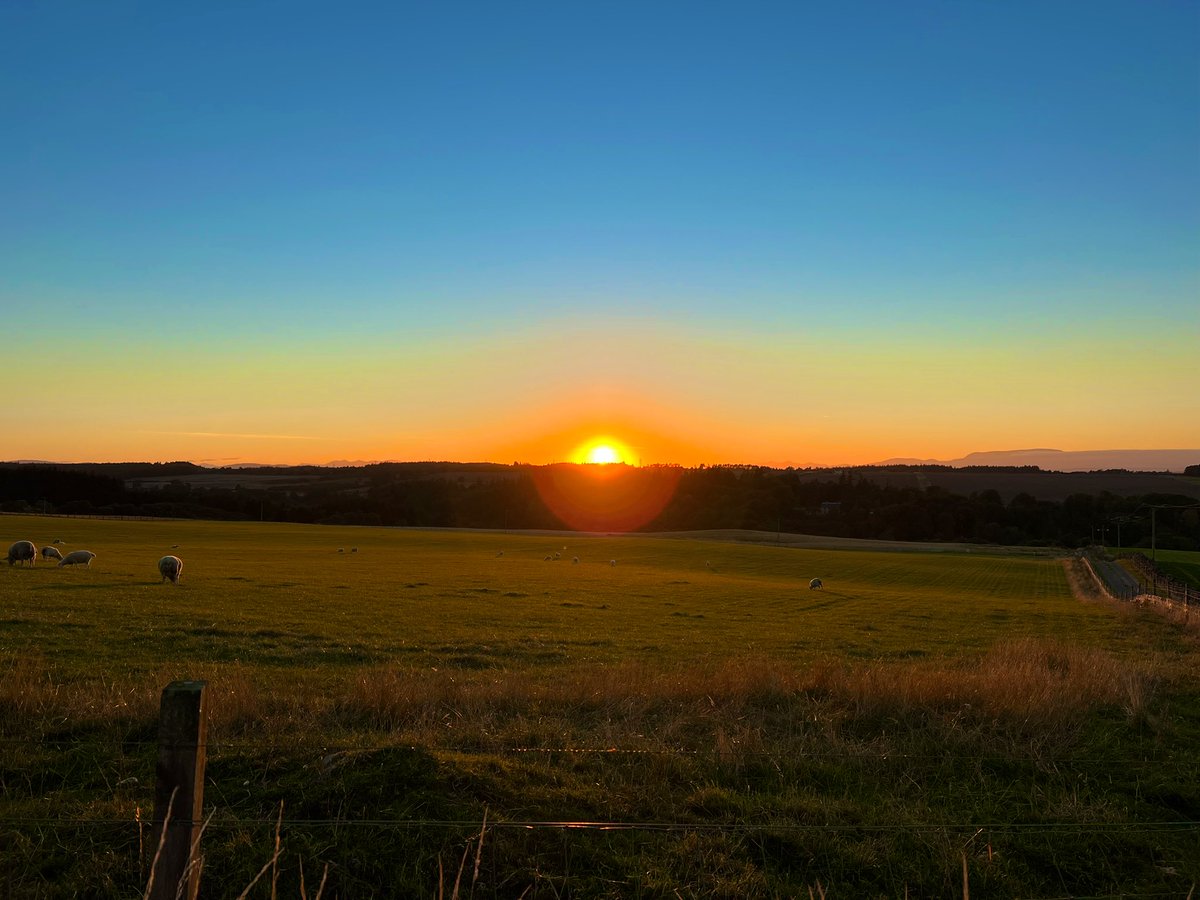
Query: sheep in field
point(22, 551)
point(612, 562)
point(170, 567)
point(51, 553)
point(815, 584)
point(78, 558)
point(575, 560)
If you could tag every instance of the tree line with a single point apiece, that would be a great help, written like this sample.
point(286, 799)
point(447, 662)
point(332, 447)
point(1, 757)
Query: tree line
point(846, 503)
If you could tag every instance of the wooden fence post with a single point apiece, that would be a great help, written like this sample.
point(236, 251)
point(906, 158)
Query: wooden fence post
point(182, 733)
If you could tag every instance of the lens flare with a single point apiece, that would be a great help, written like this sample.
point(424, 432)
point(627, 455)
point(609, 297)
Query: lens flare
point(608, 498)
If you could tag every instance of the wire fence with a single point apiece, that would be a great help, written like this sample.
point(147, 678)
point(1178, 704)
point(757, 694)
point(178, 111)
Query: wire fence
point(1149, 582)
point(1156, 583)
point(773, 768)
point(466, 825)
point(248, 816)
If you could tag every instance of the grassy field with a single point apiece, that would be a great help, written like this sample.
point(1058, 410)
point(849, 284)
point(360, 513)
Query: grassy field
point(392, 687)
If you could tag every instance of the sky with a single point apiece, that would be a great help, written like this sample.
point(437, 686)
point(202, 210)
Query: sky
point(761, 233)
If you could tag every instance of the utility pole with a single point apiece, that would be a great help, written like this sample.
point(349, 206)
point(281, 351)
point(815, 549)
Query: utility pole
point(1154, 522)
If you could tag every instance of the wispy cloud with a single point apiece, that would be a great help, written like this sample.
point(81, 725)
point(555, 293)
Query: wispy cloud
point(228, 434)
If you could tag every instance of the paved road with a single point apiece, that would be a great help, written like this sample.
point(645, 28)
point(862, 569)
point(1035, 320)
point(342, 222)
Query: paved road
point(1119, 581)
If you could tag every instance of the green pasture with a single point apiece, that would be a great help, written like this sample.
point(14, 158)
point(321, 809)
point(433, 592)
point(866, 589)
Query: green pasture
point(393, 688)
point(278, 596)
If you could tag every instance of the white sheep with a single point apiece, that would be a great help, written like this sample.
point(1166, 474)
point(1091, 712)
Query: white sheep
point(22, 551)
point(612, 562)
point(815, 584)
point(51, 553)
point(556, 555)
point(78, 558)
point(170, 567)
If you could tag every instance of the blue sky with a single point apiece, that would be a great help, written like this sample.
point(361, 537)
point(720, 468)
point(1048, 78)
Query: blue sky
point(320, 181)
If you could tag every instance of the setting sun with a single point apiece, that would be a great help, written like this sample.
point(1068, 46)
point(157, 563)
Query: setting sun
point(603, 451)
point(603, 454)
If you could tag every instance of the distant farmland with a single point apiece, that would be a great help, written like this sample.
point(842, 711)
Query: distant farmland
point(740, 734)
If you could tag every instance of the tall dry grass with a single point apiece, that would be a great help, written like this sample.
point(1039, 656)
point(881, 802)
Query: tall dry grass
point(1027, 686)
point(30, 693)
point(1029, 681)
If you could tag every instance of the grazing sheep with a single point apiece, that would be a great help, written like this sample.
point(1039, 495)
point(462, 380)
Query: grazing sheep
point(170, 567)
point(612, 562)
point(353, 549)
point(815, 584)
point(174, 546)
point(78, 558)
point(59, 541)
point(501, 553)
point(22, 551)
point(341, 549)
point(51, 553)
point(549, 559)
point(575, 560)
point(556, 556)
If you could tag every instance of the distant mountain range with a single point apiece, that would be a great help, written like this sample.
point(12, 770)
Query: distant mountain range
point(1068, 460)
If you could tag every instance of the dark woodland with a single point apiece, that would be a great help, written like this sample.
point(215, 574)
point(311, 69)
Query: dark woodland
point(1013, 506)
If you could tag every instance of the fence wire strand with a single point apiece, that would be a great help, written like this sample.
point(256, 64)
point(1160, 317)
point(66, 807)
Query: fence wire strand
point(219, 748)
point(218, 822)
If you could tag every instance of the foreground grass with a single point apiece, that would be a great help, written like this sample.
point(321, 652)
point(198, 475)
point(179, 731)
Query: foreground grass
point(920, 710)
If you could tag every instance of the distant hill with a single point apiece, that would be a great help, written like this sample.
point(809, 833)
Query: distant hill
point(1068, 460)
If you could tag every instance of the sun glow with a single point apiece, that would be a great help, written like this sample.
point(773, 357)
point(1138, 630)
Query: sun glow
point(602, 451)
point(603, 454)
